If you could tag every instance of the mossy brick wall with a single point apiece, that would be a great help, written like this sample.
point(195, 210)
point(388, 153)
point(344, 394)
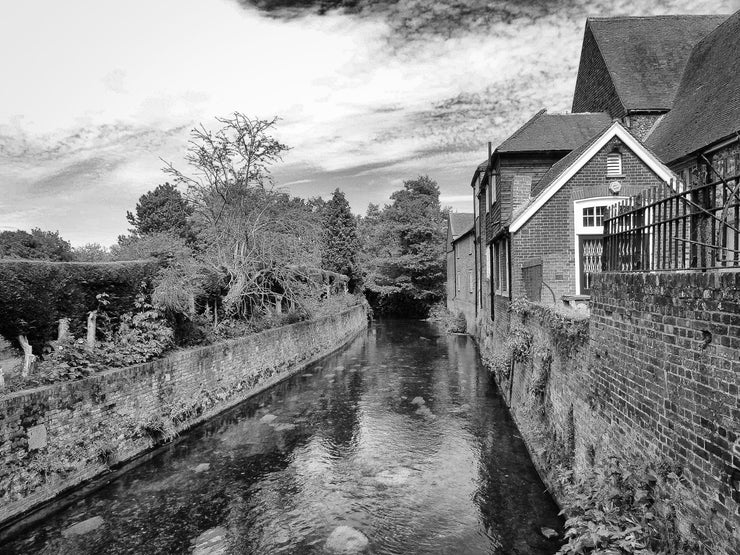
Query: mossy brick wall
point(55, 437)
point(655, 377)
point(665, 371)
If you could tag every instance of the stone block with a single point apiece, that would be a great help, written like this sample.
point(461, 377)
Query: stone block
point(37, 437)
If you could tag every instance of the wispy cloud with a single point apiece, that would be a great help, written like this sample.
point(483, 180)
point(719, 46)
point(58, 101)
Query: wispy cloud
point(370, 92)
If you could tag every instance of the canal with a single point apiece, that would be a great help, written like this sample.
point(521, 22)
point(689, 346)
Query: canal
point(400, 436)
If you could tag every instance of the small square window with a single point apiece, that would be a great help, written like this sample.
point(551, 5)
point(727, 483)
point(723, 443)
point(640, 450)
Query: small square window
point(593, 216)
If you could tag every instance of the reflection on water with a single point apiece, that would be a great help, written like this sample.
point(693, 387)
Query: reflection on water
point(401, 436)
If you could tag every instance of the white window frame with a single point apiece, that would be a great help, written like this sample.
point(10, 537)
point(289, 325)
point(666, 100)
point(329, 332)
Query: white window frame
point(489, 258)
point(494, 188)
point(502, 270)
point(580, 229)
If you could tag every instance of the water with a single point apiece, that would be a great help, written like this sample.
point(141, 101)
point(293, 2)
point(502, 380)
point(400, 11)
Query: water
point(345, 442)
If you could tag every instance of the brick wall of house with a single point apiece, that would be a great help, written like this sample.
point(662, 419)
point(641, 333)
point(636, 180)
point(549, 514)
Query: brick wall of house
point(549, 233)
point(463, 299)
point(595, 90)
point(55, 437)
point(518, 173)
point(652, 376)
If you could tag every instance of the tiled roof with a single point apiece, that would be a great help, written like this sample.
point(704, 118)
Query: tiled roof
point(561, 165)
point(646, 56)
point(707, 105)
point(460, 223)
point(545, 132)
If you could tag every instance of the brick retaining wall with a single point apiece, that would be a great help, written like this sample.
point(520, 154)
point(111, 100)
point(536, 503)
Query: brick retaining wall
point(55, 437)
point(657, 377)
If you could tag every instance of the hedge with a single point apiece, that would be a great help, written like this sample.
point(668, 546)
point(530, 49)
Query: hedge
point(36, 294)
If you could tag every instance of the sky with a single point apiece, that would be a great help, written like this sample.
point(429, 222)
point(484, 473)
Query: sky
point(96, 96)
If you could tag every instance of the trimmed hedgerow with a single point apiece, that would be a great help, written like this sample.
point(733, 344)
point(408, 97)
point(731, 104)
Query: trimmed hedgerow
point(35, 294)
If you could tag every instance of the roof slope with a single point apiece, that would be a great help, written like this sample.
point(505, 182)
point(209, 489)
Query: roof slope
point(460, 223)
point(559, 167)
point(555, 132)
point(707, 105)
point(563, 170)
point(647, 55)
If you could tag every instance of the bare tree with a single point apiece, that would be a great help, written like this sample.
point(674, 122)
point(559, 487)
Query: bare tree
point(259, 238)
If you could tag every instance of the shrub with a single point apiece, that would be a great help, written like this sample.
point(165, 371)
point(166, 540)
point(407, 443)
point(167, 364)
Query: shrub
point(35, 295)
point(625, 507)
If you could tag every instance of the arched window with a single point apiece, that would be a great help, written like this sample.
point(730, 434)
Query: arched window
point(613, 164)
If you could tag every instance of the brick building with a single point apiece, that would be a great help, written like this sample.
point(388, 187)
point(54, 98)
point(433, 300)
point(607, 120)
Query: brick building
point(504, 185)
point(461, 265)
point(561, 226)
point(631, 67)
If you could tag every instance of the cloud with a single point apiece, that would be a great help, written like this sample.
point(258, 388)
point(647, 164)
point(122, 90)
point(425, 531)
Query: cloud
point(370, 92)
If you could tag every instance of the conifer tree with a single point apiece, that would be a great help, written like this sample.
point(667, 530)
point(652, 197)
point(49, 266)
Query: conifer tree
point(342, 247)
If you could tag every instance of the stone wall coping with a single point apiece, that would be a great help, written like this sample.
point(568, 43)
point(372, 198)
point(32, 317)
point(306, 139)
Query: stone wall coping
point(169, 359)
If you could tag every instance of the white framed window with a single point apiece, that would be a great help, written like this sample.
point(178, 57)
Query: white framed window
point(501, 271)
point(588, 220)
point(494, 188)
point(593, 216)
point(613, 164)
point(489, 257)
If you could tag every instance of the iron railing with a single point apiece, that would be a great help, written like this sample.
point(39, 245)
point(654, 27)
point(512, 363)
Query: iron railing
point(675, 228)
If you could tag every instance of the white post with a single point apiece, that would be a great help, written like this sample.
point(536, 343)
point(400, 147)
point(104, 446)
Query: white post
point(63, 332)
point(28, 356)
point(92, 319)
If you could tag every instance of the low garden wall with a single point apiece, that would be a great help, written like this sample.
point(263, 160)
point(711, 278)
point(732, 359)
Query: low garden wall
point(642, 395)
point(55, 437)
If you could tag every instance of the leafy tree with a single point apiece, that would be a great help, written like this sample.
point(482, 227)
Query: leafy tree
point(342, 246)
point(41, 245)
point(162, 210)
point(92, 252)
point(264, 243)
point(404, 250)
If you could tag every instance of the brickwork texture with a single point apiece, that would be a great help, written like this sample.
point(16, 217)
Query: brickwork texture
point(55, 437)
point(655, 377)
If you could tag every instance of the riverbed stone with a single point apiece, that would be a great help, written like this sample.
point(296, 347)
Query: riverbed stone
point(346, 540)
point(268, 418)
point(549, 533)
point(394, 477)
point(211, 542)
point(83, 527)
point(284, 427)
point(418, 401)
point(202, 467)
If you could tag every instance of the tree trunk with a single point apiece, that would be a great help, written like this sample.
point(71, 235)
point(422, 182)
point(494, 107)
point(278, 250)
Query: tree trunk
point(28, 356)
point(92, 318)
point(278, 304)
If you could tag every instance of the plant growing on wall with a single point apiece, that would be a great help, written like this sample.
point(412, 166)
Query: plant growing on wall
point(625, 507)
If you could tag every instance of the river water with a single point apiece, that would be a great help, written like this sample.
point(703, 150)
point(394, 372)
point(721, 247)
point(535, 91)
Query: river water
point(401, 435)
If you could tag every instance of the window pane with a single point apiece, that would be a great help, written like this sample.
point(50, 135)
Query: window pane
point(600, 215)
